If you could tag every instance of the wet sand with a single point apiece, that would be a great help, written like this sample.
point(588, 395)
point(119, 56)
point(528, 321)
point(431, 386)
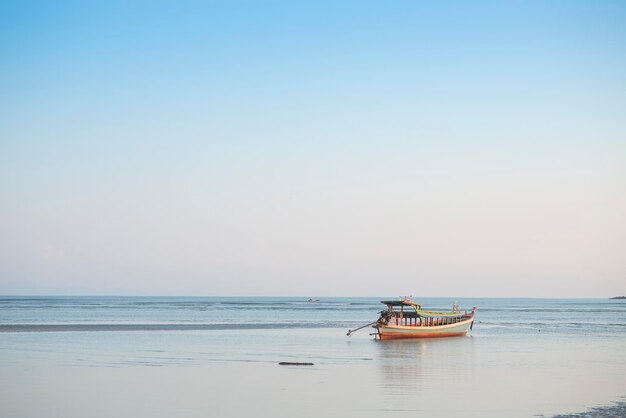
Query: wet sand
point(616, 410)
point(233, 374)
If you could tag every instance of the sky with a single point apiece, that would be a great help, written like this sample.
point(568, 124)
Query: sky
point(353, 148)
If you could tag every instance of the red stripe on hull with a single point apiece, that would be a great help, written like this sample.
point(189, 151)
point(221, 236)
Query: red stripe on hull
point(399, 336)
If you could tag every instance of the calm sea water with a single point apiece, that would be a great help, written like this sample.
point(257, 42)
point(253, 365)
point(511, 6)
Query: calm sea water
point(217, 356)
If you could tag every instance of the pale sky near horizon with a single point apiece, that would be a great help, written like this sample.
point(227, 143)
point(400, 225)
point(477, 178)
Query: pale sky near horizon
point(319, 148)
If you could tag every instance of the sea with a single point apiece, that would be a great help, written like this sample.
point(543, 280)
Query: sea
point(219, 357)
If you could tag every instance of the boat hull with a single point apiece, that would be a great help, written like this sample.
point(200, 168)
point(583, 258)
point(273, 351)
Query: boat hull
point(392, 332)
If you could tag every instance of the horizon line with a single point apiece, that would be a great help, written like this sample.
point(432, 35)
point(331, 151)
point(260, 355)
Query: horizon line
point(298, 296)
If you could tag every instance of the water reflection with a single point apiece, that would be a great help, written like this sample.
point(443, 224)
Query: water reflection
point(425, 368)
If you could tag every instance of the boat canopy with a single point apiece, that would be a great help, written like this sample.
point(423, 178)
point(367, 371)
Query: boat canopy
point(405, 302)
point(426, 314)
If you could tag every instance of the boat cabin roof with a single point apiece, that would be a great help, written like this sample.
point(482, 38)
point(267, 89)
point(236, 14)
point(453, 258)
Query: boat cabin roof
point(405, 302)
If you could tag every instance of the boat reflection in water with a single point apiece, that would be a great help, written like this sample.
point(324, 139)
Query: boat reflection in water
point(416, 375)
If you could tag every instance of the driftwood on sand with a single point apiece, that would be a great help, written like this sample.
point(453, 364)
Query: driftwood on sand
point(289, 363)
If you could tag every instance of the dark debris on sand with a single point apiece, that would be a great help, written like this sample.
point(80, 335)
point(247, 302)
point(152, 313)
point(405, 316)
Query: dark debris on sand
point(617, 410)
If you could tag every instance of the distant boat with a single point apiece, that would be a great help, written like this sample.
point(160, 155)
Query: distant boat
point(313, 300)
point(407, 319)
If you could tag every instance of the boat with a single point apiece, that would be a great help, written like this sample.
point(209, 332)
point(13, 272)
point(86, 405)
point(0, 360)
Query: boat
point(406, 319)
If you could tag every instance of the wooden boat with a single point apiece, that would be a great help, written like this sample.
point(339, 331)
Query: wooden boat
point(407, 319)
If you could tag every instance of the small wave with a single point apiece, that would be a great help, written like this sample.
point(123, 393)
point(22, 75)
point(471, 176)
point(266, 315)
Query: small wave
point(551, 324)
point(554, 310)
point(78, 327)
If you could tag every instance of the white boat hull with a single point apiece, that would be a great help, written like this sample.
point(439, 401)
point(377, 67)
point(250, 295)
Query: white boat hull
point(388, 332)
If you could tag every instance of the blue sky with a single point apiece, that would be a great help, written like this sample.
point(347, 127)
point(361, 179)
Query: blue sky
point(323, 148)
